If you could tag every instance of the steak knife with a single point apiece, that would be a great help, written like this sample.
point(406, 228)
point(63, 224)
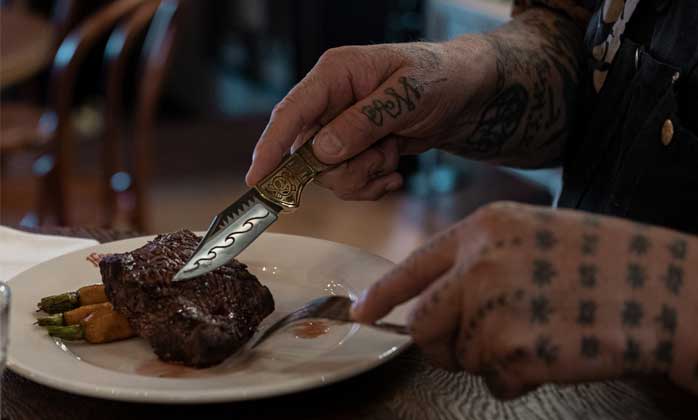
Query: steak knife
point(236, 227)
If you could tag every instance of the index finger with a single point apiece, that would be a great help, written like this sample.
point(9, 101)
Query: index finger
point(408, 278)
point(287, 120)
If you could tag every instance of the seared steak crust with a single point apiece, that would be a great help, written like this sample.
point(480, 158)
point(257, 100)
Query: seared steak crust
point(197, 322)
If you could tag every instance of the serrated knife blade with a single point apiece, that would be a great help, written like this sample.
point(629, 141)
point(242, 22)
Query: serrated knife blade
point(236, 227)
point(230, 232)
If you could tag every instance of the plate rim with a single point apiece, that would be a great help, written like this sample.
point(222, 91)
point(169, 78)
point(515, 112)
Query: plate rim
point(200, 396)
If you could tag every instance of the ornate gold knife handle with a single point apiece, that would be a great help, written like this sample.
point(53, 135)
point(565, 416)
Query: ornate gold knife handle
point(285, 184)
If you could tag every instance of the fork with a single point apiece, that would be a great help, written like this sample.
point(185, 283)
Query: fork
point(335, 308)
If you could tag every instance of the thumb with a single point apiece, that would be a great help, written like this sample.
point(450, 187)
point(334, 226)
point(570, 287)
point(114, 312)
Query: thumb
point(386, 110)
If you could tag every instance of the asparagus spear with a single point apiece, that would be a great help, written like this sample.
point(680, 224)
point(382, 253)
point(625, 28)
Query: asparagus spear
point(59, 303)
point(86, 295)
point(51, 320)
point(74, 316)
point(70, 332)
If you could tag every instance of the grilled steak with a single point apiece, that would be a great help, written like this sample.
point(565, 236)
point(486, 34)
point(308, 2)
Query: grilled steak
point(197, 322)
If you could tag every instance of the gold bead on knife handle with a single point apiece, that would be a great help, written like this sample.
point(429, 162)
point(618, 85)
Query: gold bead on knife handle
point(285, 184)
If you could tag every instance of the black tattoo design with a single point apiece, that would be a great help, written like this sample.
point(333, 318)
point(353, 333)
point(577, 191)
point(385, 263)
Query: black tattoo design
point(590, 347)
point(636, 275)
point(678, 249)
point(632, 313)
point(519, 294)
point(587, 312)
point(395, 103)
point(673, 279)
point(545, 239)
point(590, 244)
point(488, 306)
point(664, 353)
point(516, 241)
point(543, 272)
point(667, 319)
point(639, 244)
point(533, 104)
point(546, 351)
point(562, 54)
point(587, 275)
point(540, 310)
point(632, 351)
point(541, 116)
point(498, 123)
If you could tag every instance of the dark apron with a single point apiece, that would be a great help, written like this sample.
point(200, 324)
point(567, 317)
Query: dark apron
point(619, 165)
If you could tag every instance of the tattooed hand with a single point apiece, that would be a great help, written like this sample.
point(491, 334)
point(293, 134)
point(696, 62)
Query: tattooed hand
point(505, 97)
point(370, 104)
point(524, 296)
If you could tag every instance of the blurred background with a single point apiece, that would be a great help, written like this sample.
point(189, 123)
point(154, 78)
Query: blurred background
point(142, 114)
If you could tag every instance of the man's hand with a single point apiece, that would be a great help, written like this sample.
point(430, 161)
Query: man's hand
point(505, 97)
point(525, 296)
point(371, 104)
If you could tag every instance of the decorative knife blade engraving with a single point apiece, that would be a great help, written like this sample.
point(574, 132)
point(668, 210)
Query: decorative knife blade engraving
point(236, 227)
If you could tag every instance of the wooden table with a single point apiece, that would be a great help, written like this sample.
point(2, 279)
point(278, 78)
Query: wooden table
point(25, 45)
point(404, 388)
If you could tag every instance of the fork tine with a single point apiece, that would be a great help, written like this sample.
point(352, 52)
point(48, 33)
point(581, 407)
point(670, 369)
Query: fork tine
point(330, 307)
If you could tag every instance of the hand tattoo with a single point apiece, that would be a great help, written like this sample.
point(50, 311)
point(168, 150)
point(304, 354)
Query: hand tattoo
point(543, 272)
point(540, 310)
point(587, 275)
point(546, 350)
point(533, 104)
point(667, 319)
point(639, 244)
point(395, 103)
point(678, 249)
point(631, 354)
point(632, 313)
point(674, 278)
point(636, 275)
point(587, 312)
point(590, 347)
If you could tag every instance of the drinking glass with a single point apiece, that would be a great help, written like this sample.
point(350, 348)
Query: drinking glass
point(4, 333)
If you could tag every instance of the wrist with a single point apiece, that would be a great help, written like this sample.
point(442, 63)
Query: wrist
point(474, 62)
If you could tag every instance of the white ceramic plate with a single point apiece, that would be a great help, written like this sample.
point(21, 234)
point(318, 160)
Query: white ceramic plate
point(296, 269)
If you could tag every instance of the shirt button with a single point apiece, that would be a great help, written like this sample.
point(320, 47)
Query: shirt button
point(667, 132)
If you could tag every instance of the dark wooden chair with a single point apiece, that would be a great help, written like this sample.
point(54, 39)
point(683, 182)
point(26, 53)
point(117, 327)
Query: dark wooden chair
point(52, 135)
point(126, 157)
point(41, 38)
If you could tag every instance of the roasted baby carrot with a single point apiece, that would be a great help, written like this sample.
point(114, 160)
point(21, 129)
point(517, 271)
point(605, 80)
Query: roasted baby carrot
point(101, 326)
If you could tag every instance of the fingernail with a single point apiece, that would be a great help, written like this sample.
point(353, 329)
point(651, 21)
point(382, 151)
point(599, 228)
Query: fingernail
point(329, 144)
point(248, 174)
